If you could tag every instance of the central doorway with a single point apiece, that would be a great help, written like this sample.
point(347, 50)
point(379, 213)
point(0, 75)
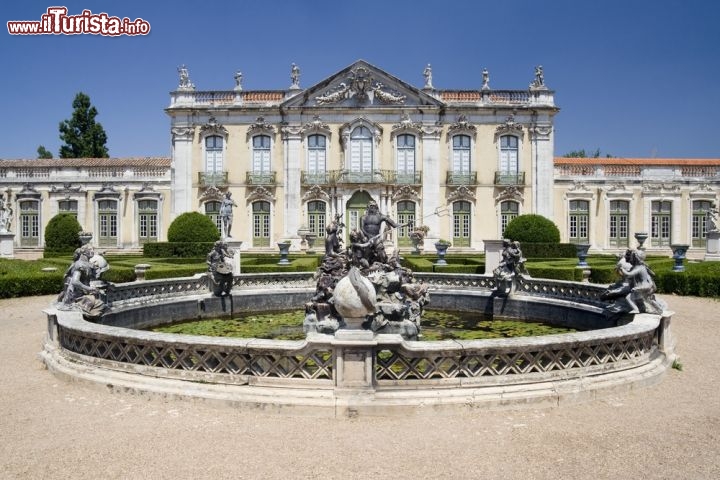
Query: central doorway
point(354, 210)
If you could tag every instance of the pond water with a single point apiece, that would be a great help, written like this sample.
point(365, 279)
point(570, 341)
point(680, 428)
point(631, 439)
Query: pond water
point(436, 325)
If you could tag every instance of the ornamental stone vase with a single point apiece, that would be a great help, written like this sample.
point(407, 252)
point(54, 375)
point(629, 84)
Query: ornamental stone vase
point(641, 237)
point(679, 251)
point(284, 251)
point(582, 253)
point(441, 249)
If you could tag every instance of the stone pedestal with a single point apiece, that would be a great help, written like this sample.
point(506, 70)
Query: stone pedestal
point(712, 248)
point(355, 360)
point(235, 245)
point(7, 245)
point(493, 254)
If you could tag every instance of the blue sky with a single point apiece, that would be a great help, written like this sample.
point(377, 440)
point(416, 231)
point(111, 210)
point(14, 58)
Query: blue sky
point(633, 78)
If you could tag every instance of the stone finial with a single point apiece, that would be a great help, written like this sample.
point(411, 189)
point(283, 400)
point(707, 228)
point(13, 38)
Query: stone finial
point(427, 73)
point(185, 83)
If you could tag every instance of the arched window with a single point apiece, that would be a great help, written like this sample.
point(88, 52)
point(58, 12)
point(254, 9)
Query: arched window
point(508, 211)
point(107, 223)
point(68, 206)
point(461, 224)
point(405, 158)
point(317, 217)
point(261, 155)
point(147, 221)
point(461, 155)
point(701, 208)
point(29, 223)
point(619, 221)
point(405, 215)
point(316, 157)
point(213, 159)
point(579, 222)
point(361, 153)
point(212, 210)
point(261, 224)
point(661, 223)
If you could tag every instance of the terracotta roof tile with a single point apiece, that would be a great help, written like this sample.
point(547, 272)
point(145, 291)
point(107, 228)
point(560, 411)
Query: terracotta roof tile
point(636, 161)
point(87, 162)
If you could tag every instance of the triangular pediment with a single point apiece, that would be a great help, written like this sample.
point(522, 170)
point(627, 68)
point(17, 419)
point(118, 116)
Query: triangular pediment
point(362, 85)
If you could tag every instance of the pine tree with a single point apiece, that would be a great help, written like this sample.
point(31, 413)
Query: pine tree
point(83, 136)
point(44, 152)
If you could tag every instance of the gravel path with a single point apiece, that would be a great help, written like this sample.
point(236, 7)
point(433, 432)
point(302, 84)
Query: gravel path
point(54, 429)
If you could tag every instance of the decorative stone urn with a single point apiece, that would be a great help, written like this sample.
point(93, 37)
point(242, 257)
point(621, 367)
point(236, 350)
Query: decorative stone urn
point(284, 251)
point(641, 237)
point(441, 248)
point(85, 237)
point(679, 251)
point(582, 253)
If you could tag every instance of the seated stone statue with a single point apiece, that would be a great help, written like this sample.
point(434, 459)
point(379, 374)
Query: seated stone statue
point(635, 291)
point(78, 288)
point(221, 274)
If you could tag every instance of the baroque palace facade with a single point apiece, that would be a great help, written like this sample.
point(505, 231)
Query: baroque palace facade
point(461, 162)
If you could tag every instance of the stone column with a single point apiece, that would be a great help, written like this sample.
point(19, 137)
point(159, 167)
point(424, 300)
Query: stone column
point(493, 254)
point(182, 139)
point(431, 179)
point(543, 169)
point(293, 201)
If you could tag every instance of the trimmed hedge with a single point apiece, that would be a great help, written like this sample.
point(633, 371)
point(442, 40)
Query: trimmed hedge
point(532, 228)
point(177, 249)
point(193, 227)
point(548, 250)
point(61, 235)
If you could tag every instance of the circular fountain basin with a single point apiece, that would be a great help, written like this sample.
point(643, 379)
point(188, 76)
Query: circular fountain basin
point(345, 375)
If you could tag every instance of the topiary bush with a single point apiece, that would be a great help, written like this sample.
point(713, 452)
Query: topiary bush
point(193, 227)
point(532, 228)
point(61, 234)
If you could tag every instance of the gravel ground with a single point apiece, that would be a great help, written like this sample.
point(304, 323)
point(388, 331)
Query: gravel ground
point(55, 429)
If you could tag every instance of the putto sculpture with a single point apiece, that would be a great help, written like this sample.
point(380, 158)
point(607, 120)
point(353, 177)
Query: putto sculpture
point(512, 265)
point(635, 291)
point(396, 300)
point(82, 287)
point(220, 272)
point(6, 214)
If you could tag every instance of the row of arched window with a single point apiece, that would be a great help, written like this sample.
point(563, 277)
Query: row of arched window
point(360, 151)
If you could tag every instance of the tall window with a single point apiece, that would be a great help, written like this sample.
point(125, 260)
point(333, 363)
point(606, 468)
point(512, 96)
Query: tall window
point(261, 224)
point(361, 153)
point(29, 223)
point(508, 211)
point(579, 221)
point(68, 206)
point(619, 210)
point(461, 155)
point(660, 223)
point(699, 222)
point(214, 158)
point(147, 221)
point(317, 154)
point(108, 223)
point(261, 154)
point(405, 215)
point(405, 158)
point(461, 224)
point(508, 155)
point(212, 210)
point(316, 217)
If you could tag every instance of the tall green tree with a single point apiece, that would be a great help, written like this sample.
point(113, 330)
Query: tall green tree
point(44, 152)
point(83, 136)
point(583, 154)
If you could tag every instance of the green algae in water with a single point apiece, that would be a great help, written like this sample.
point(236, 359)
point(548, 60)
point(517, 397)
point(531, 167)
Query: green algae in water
point(436, 325)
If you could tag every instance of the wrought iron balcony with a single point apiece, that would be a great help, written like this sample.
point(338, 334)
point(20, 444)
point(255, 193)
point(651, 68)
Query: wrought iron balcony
point(260, 178)
point(206, 179)
point(347, 176)
point(461, 178)
point(506, 178)
point(313, 178)
point(404, 178)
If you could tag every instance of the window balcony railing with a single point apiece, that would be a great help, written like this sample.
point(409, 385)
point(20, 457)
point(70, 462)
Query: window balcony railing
point(206, 179)
point(260, 178)
point(316, 178)
point(403, 178)
point(506, 178)
point(461, 178)
point(347, 176)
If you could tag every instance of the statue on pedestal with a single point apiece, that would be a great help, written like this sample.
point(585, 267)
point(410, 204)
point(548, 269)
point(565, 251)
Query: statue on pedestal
point(82, 287)
point(226, 214)
point(221, 275)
